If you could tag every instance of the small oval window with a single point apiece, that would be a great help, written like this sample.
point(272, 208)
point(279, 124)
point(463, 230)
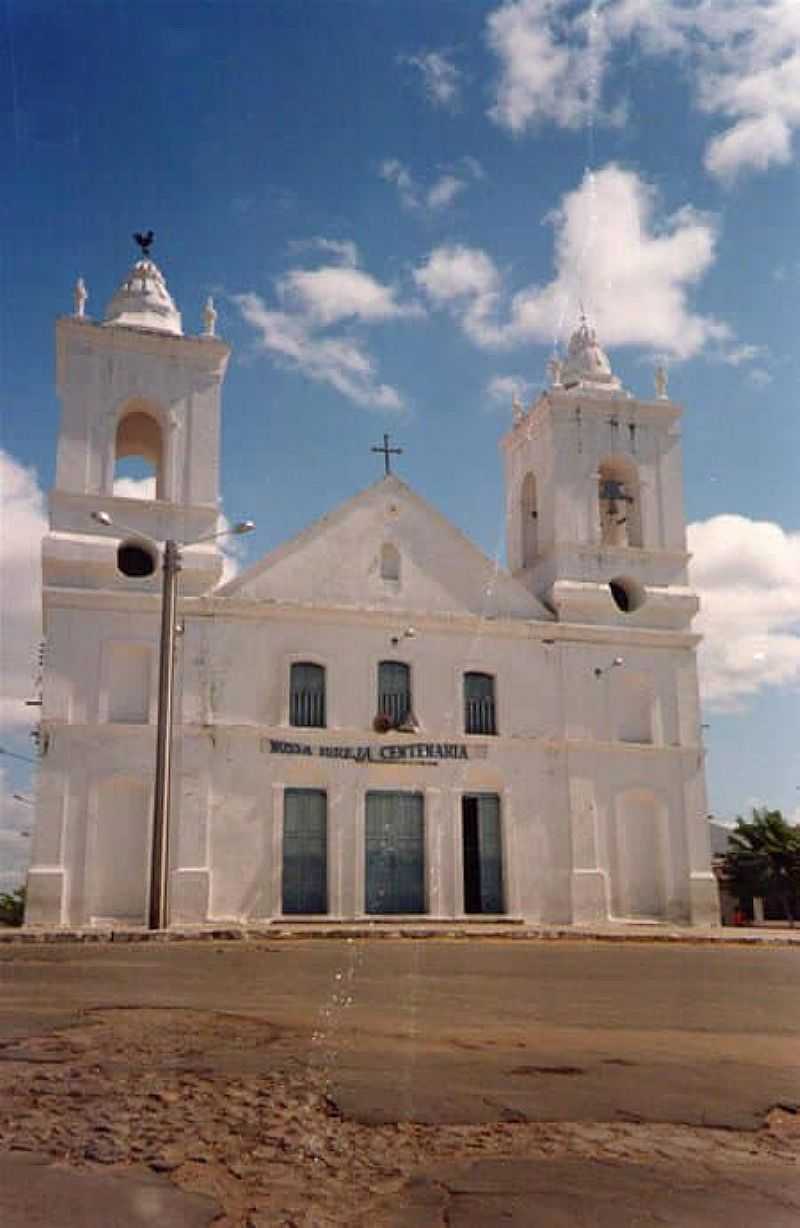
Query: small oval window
point(135, 560)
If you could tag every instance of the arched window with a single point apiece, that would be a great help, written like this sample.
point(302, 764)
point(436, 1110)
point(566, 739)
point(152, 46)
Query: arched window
point(529, 514)
point(307, 695)
point(479, 706)
point(139, 456)
point(620, 505)
point(390, 562)
point(394, 691)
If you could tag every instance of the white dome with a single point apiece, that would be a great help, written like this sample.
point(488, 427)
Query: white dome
point(587, 363)
point(143, 301)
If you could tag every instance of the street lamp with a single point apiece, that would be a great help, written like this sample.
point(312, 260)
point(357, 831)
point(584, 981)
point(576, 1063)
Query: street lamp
point(171, 563)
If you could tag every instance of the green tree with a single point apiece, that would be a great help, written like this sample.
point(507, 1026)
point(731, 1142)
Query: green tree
point(763, 859)
point(12, 907)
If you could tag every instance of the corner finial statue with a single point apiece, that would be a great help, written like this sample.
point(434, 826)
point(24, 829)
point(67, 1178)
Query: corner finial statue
point(209, 318)
point(660, 381)
point(145, 241)
point(79, 297)
point(554, 368)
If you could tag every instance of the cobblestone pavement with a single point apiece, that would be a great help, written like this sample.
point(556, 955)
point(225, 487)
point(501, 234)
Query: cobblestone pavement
point(222, 1105)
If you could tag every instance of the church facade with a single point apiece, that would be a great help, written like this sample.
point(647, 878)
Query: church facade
point(375, 720)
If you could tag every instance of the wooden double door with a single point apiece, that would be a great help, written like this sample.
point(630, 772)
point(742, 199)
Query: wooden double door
point(394, 853)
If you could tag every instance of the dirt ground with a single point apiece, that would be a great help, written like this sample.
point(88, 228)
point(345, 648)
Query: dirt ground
point(276, 1114)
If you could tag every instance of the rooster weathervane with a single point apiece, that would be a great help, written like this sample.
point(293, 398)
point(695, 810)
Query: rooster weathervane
point(145, 241)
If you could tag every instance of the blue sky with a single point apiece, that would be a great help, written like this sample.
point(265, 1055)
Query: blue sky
point(398, 207)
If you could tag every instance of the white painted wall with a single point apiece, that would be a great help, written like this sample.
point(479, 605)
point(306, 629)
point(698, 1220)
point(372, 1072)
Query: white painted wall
point(557, 764)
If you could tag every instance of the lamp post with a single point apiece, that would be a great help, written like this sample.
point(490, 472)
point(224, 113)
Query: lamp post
point(171, 565)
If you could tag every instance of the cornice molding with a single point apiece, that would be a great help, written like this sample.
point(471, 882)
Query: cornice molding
point(209, 353)
point(560, 403)
point(549, 634)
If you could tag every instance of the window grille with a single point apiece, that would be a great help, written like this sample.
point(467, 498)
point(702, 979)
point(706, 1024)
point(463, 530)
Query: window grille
point(479, 705)
point(394, 691)
point(307, 695)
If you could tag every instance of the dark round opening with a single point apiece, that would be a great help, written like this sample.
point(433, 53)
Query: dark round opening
point(134, 560)
point(620, 595)
point(628, 595)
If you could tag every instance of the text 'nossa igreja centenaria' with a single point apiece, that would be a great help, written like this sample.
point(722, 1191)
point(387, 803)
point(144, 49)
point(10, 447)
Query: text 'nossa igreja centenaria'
point(393, 752)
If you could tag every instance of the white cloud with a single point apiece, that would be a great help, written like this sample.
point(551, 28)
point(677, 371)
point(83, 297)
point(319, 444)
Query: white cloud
point(296, 333)
point(502, 389)
point(441, 79)
point(22, 524)
point(759, 376)
point(450, 183)
point(632, 270)
point(395, 172)
point(444, 191)
point(326, 295)
point(457, 273)
point(556, 58)
point(755, 143)
point(551, 63)
point(343, 251)
point(135, 488)
point(785, 272)
point(342, 362)
point(735, 355)
point(747, 573)
point(749, 71)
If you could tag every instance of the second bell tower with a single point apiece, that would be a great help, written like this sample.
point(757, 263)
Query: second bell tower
point(594, 513)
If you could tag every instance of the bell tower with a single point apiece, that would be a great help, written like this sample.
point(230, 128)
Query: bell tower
point(595, 522)
point(133, 384)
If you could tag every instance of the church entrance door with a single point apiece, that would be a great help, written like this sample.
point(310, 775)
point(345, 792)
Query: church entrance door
point(483, 854)
point(395, 853)
point(305, 851)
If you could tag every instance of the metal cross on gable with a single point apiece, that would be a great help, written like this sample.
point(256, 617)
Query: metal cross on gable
point(387, 453)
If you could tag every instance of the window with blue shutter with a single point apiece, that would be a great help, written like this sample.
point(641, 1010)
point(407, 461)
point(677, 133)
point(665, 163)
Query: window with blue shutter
point(394, 691)
point(479, 705)
point(307, 695)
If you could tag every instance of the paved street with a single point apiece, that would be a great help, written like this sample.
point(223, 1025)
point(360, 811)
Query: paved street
point(334, 1082)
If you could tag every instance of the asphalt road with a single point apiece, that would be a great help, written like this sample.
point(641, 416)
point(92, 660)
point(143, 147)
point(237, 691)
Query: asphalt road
point(411, 1082)
point(471, 1031)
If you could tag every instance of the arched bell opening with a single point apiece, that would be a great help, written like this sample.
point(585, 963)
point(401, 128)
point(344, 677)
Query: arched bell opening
point(139, 456)
point(529, 518)
point(619, 502)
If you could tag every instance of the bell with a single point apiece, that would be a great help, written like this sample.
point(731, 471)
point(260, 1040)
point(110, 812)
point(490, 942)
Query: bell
point(612, 489)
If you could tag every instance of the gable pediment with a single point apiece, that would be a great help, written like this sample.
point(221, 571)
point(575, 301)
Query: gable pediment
point(387, 549)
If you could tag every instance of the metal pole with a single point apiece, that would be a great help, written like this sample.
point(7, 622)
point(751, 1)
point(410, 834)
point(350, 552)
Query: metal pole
point(159, 866)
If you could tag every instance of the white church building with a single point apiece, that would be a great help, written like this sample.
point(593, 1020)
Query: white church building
point(374, 720)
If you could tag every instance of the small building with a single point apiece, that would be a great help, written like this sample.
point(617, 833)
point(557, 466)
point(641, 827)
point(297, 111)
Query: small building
point(375, 719)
